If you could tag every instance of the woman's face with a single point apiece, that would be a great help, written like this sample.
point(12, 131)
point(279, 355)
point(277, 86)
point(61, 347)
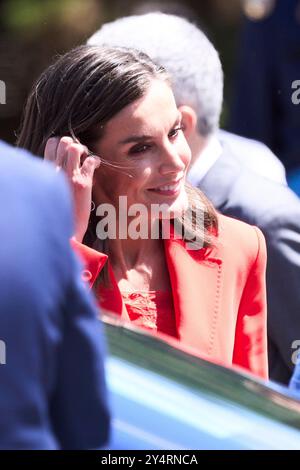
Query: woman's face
point(147, 138)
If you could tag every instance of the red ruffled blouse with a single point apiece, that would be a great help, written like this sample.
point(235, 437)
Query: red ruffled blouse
point(153, 310)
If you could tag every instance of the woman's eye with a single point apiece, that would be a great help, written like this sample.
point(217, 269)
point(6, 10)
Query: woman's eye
point(174, 132)
point(139, 149)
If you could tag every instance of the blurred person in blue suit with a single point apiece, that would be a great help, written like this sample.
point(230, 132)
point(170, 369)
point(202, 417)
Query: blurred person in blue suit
point(268, 66)
point(53, 392)
point(227, 169)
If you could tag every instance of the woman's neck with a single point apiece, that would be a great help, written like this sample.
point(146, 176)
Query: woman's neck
point(127, 254)
point(139, 265)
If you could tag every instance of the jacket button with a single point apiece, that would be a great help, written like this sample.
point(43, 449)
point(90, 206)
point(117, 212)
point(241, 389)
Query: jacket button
point(86, 275)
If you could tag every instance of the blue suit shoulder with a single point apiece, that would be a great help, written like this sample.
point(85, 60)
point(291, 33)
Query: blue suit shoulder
point(48, 320)
point(23, 172)
point(263, 202)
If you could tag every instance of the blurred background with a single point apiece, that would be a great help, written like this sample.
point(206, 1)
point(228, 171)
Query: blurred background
point(33, 32)
point(258, 41)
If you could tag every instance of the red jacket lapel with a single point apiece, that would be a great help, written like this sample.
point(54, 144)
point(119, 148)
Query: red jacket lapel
point(195, 277)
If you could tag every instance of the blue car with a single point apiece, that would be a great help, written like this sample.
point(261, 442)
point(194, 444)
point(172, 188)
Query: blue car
point(165, 398)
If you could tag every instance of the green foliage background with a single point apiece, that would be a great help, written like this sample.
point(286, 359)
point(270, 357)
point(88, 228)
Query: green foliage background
point(33, 32)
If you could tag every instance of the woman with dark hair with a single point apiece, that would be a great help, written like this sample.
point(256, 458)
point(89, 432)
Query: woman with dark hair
point(156, 251)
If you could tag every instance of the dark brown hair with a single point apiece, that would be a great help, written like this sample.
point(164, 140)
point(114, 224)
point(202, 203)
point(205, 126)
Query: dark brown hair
point(81, 92)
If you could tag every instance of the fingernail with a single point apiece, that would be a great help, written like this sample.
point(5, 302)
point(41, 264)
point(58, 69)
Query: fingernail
point(98, 161)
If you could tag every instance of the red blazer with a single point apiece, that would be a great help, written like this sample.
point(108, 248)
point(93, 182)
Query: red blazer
point(219, 294)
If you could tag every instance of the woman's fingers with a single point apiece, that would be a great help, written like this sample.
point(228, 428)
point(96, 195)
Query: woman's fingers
point(89, 166)
point(72, 162)
point(50, 149)
point(67, 154)
point(56, 150)
point(62, 152)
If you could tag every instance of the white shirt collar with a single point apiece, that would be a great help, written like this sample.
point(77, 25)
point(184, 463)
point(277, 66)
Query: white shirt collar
point(212, 151)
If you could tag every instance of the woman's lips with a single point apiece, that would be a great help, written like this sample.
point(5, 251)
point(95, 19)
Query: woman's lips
point(167, 189)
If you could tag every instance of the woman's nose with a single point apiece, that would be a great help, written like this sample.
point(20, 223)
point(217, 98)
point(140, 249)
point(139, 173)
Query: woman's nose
point(172, 160)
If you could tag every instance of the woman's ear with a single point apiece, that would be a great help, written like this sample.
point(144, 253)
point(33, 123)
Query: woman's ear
point(189, 120)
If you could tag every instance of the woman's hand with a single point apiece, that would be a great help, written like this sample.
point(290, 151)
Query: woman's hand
point(68, 155)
